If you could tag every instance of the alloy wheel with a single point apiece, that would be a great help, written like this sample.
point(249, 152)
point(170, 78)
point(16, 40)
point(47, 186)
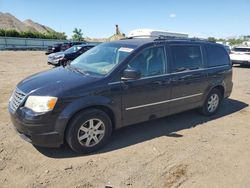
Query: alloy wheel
point(213, 103)
point(91, 132)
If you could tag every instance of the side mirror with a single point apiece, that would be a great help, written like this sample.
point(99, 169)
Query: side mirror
point(131, 74)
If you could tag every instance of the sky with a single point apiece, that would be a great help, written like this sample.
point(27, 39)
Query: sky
point(97, 18)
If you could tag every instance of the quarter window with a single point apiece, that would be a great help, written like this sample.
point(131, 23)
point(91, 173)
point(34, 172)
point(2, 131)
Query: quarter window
point(186, 58)
point(216, 56)
point(150, 62)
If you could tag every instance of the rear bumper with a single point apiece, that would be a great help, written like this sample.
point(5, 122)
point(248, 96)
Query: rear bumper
point(39, 133)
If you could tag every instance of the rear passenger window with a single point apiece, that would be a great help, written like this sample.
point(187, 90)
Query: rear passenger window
point(186, 58)
point(216, 56)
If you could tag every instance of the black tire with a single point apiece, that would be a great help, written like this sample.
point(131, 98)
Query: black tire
point(68, 62)
point(205, 110)
point(82, 120)
point(65, 63)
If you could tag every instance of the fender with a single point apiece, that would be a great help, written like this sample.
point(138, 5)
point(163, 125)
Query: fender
point(82, 103)
point(215, 83)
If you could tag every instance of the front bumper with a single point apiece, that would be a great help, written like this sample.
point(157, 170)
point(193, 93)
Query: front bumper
point(48, 52)
point(38, 131)
point(53, 62)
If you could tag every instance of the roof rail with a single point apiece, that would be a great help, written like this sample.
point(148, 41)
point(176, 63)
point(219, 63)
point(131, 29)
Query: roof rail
point(163, 37)
point(125, 38)
point(160, 38)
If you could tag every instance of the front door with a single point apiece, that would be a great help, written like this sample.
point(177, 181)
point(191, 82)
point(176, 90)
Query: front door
point(146, 98)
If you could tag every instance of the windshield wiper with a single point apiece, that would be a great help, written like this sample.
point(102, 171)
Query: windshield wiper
point(76, 69)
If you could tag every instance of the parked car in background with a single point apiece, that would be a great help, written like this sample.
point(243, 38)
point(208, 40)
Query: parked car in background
point(65, 57)
point(117, 84)
point(58, 47)
point(54, 48)
point(67, 45)
point(240, 55)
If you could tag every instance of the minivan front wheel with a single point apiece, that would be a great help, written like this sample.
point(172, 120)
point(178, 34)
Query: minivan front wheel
point(212, 102)
point(88, 131)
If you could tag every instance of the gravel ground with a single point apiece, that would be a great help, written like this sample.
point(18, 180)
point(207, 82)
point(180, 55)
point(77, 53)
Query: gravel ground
point(184, 150)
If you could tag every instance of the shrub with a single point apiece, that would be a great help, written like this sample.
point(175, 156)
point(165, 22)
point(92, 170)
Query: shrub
point(32, 34)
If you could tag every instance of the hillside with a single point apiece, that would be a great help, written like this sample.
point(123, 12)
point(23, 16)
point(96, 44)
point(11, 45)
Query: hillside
point(38, 27)
point(8, 21)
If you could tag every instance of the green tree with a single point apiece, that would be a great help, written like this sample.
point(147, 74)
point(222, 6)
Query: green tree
point(235, 42)
point(78, 35)
point(12, 33)
point(32, 34)
point(2, 32)
point(211, 39)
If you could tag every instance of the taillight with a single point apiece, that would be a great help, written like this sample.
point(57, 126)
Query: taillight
point(247, 53)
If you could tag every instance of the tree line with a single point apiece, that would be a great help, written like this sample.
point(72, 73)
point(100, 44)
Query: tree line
point(231, 42)
point(32, 34)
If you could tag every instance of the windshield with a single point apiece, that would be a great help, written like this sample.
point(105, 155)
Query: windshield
point(101, 59)
point(73, 49)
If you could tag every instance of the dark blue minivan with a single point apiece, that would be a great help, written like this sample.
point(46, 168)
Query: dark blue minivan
point(116, 84)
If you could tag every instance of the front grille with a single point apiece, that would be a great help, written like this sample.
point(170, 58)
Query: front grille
point(17, 99)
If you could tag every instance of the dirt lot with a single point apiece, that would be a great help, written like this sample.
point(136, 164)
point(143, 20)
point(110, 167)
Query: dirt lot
point(184, 150)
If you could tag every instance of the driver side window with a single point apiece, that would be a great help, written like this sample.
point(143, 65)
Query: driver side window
point(150, 62)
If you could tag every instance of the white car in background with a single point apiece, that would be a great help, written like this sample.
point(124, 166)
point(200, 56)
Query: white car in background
point(240, 55)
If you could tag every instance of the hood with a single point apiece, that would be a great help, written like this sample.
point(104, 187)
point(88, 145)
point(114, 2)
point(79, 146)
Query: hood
point(54, 82)
point(61, 53)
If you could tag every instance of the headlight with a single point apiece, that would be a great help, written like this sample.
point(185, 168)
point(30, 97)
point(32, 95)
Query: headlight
point(59, 56)
point(41, 103)
point(11, 97)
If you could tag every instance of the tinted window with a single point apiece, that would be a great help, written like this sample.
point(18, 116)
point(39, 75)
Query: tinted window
point(150, 62)
point(84, 49)
point(216, 56)
point(186, 58)
point(241, 49)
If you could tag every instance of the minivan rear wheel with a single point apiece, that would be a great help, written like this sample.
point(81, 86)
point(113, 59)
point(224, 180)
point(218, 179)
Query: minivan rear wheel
point(212, 102)
point(89, 131)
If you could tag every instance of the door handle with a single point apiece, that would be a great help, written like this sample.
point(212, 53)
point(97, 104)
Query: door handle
point(176, 79)
point(159, 82)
